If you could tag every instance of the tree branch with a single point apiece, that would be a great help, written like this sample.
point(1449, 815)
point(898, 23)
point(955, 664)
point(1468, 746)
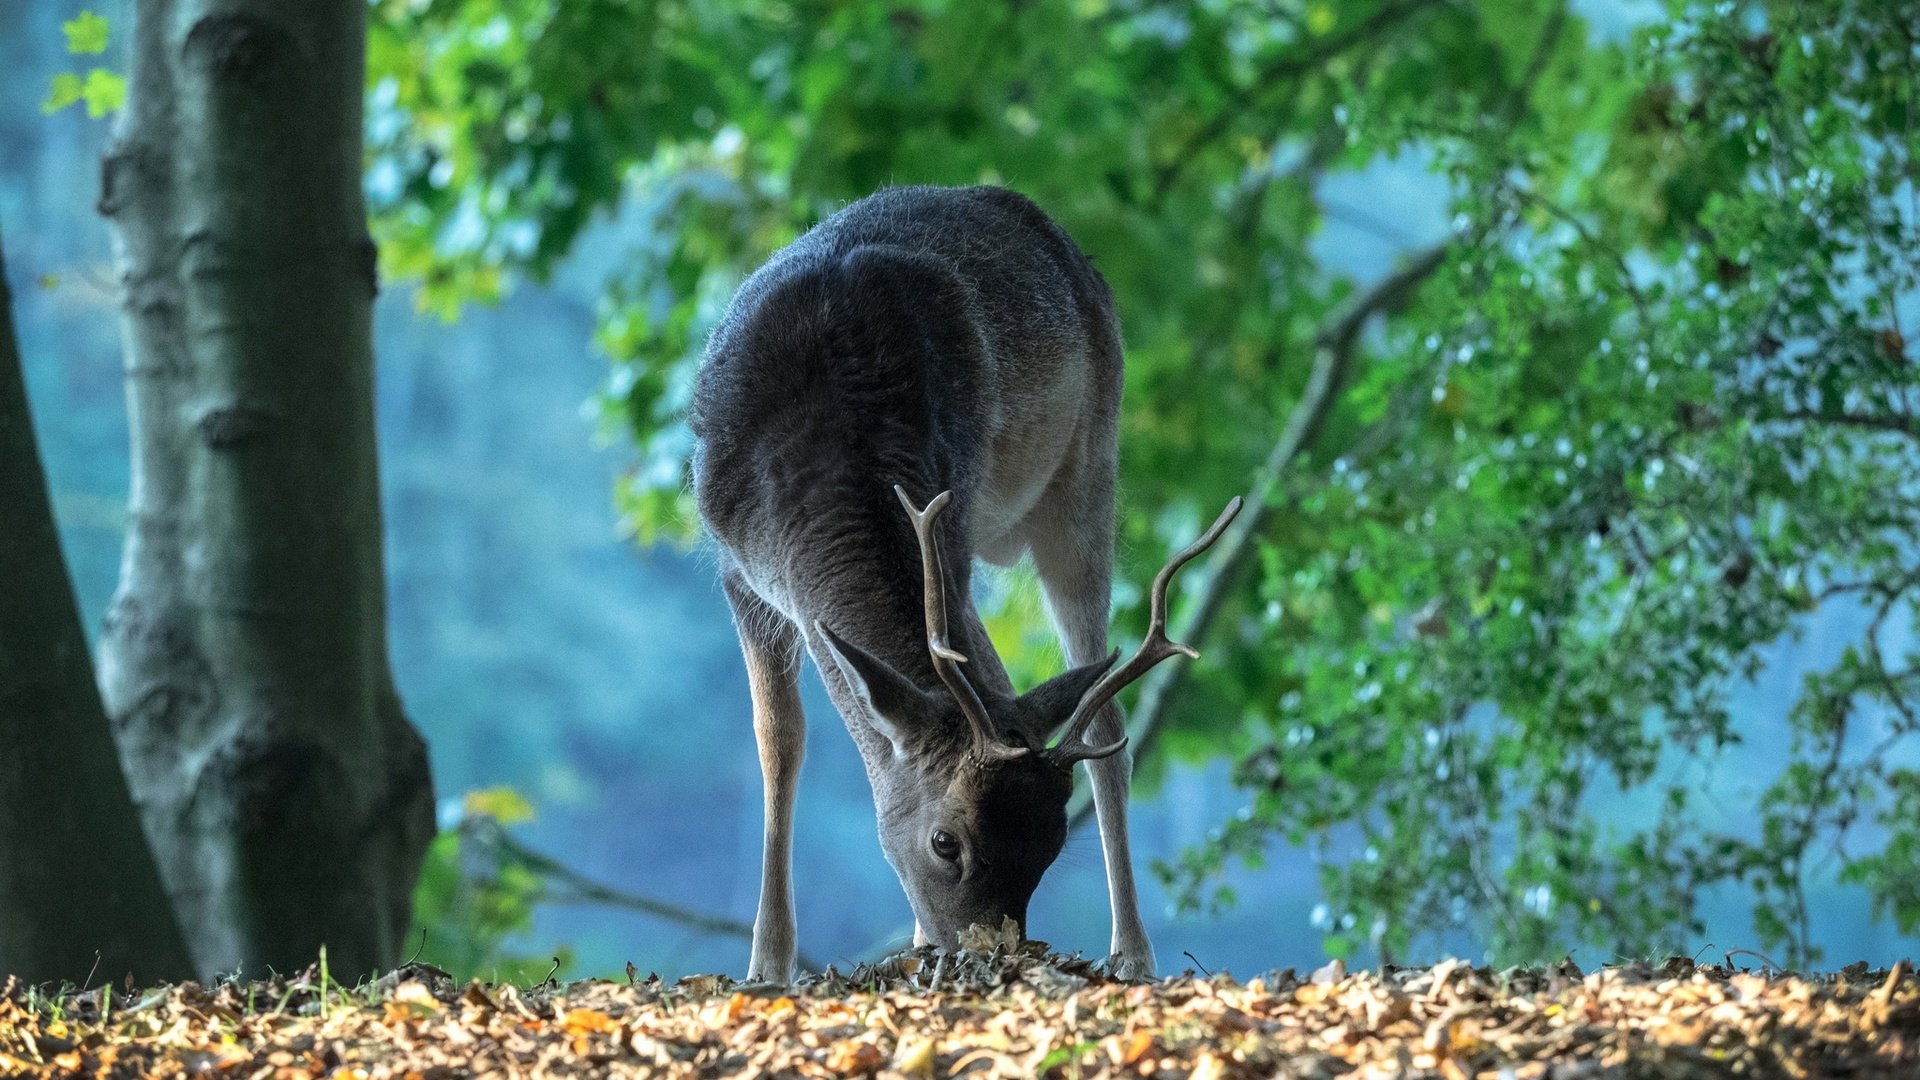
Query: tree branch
point(1334, 350)
point(580, 889)
point(1283, 68)
point(1593, 240)
point(1896, 425)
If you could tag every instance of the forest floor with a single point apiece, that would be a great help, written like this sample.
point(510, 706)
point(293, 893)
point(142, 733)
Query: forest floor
point(1002, 1013)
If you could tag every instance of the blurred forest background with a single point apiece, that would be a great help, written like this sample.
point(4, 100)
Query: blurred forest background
point(1559, 344)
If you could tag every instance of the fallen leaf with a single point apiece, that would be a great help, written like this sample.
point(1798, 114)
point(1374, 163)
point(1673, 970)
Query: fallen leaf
point(854, 1058)
point(915, 1057)
point(588, 1021)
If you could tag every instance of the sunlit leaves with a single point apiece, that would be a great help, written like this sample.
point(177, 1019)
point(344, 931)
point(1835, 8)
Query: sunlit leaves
point(67, 89)
point(502, 804)
point(1628, 482)
point(1659, 424)
point(475, 897)
point(86, 34)
point(101, 89)
point(102, 92)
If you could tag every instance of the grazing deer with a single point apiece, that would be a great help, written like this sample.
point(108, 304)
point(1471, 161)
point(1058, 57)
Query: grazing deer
point(951, 345)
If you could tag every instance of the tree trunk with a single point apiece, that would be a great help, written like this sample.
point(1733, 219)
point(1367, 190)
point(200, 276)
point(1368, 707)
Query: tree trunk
point(78, 887)
point(244, 663)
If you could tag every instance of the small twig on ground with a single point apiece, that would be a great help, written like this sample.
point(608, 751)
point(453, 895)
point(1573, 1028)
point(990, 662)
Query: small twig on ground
point(1768, 960)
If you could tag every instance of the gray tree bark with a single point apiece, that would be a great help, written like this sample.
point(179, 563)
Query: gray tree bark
point(244, 662)
point(78, 887)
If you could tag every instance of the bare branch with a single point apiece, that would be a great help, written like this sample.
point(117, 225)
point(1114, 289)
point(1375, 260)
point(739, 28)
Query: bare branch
point(580, 889)
point(1898, 425)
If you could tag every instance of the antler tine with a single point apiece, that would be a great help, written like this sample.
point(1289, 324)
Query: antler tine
point(1157, 647)
point(947, 660)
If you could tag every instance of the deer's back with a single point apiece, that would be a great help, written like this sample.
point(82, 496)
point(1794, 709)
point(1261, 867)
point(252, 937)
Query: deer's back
point(931, 337)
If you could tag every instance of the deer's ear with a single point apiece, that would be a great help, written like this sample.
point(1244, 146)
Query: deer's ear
point(893, 702)
point(1052, 702)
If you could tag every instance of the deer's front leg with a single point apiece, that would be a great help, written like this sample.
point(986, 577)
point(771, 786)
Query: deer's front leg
point(770, 644)
point(1074, 572)
point(1112, 778)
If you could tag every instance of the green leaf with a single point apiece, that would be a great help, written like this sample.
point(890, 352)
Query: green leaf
point(105, 92)
point(503, 804)
point(66, 89)
point(86, 34)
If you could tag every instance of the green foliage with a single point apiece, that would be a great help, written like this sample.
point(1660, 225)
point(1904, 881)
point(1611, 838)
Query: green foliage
point(102, 89)
point(86, 34)
point(1652, 412)
point(475, 900)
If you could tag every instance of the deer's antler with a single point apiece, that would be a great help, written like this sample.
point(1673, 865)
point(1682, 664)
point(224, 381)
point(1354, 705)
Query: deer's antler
point(1157, 647)
point(947, 661)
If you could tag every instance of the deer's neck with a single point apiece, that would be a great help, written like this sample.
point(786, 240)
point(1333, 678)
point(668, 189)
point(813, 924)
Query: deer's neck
point(859, 572)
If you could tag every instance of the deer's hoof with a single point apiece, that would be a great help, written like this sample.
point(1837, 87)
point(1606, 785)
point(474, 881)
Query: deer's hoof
point(771, 970)
point(1132, 965)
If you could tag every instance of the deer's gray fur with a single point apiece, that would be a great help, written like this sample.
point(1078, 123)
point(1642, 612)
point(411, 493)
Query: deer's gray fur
point(941, 340)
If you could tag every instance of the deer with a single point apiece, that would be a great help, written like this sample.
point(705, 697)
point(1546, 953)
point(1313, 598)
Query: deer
point(928, 376)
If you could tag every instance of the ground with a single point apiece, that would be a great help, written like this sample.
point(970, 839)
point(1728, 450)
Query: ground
point(1004, 1012)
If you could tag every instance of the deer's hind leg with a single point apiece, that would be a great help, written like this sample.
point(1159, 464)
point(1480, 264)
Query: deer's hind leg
point(1072, 546)
point(771, 645)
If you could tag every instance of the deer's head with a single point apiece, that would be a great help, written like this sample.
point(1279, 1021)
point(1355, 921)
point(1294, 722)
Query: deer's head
point(973, 801)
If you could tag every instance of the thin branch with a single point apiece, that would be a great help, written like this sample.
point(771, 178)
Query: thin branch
point(1877, 659)
point(1550, 32)
point(1365, 222)
point(1593, 240)
point(581, 889)
point(1285, 68)
point(1334, 350)
point(1898, 425)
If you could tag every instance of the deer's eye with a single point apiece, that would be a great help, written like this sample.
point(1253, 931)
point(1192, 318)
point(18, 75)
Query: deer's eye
point(945, 846)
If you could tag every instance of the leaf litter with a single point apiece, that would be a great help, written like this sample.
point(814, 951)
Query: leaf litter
point(1001, 1009)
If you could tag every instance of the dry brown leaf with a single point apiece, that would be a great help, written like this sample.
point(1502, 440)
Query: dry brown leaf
point(588, 1021)
point(915, 1057)
point(1137, 1047)
point(855, 1058)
